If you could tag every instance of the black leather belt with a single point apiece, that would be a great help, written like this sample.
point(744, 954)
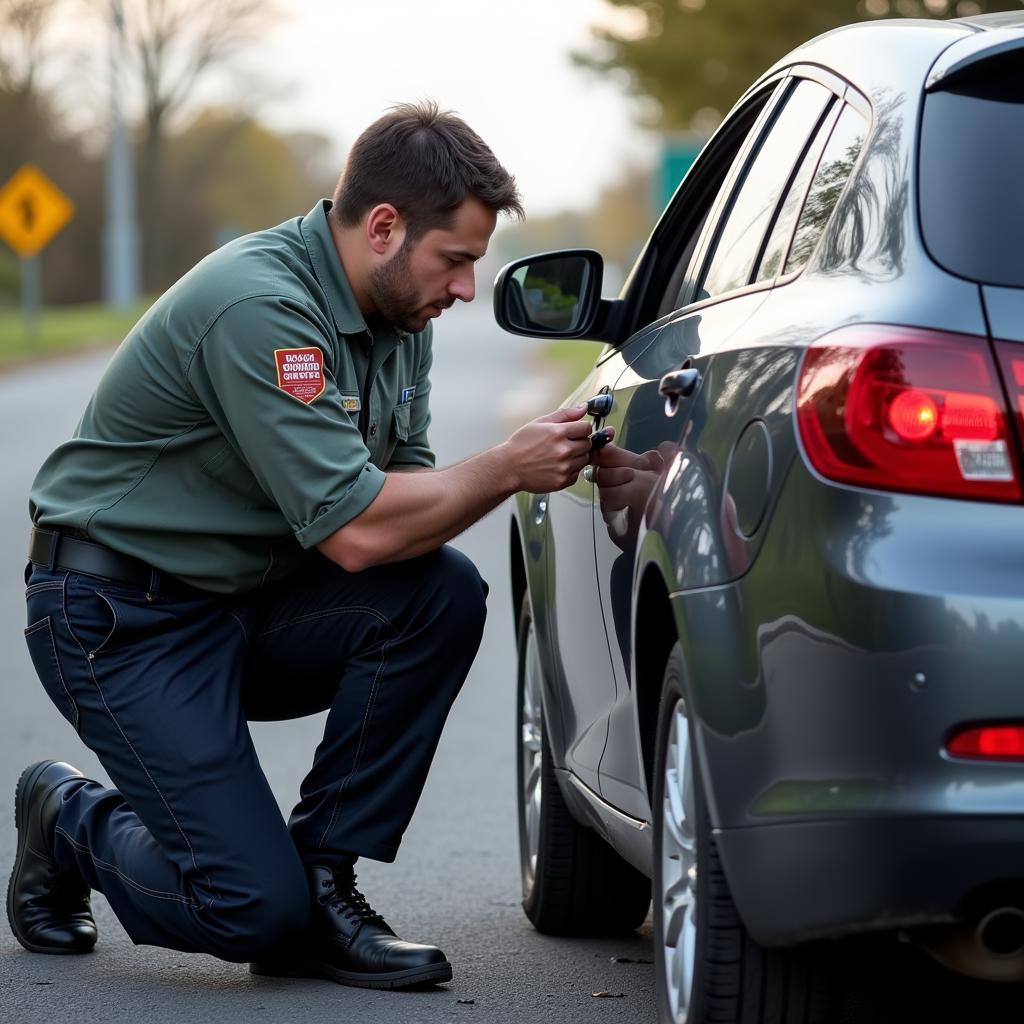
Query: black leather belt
point(56, 549)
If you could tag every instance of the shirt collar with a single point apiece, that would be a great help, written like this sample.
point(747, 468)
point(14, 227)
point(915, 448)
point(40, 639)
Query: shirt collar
point(327, 267)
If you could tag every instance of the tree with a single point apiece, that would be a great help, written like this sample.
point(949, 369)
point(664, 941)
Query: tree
point(617, 225)
point(228, 174)
point(175, 44)
point(32, 129)
point(694, 58)
point(23, 53)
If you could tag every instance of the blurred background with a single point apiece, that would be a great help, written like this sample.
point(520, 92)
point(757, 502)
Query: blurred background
point(174, 125)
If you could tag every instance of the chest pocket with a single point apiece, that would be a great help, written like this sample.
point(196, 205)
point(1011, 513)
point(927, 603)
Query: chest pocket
point(228, 470)
point(401, 421)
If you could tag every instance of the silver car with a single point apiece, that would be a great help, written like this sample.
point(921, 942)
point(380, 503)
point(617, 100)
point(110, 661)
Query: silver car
point(771, 646)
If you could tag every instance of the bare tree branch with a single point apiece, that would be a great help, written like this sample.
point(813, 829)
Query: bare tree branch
point(173, 45)
point(176, 42)
point(23, 25)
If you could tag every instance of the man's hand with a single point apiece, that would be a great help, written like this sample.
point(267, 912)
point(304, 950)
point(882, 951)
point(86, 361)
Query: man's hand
point(417, 512)
point(548, 453)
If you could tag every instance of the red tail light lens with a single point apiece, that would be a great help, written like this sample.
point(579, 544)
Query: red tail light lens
point(992, 742)
point(903, 409)
point(1011, 361)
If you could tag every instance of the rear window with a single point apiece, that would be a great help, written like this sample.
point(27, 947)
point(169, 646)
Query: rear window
point(970, 172)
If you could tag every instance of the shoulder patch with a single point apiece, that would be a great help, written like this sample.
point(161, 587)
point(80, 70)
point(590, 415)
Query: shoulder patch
point(300, 372)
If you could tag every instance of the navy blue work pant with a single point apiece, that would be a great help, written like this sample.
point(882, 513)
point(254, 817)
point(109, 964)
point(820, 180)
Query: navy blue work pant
point(191, 849)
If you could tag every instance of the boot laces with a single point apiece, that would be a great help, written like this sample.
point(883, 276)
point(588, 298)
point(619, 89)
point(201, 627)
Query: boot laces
point(351, 903)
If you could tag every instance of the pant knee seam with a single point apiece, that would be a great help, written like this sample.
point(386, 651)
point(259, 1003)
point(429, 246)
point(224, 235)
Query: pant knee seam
point(359, 748)
point(103, 865)
point(241, 624)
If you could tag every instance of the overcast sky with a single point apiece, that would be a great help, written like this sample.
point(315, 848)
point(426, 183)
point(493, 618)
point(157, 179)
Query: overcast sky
point(505, 67)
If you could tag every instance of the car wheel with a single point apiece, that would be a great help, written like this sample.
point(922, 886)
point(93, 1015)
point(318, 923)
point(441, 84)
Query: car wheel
point(574, 883)
point(707, 967)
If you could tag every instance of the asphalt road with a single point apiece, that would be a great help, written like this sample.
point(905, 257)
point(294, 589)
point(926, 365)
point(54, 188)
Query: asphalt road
point(455, 882)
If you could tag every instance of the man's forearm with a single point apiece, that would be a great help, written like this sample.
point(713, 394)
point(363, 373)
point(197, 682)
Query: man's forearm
point(417, 512)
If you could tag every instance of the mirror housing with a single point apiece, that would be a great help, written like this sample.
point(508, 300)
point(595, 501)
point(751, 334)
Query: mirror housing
point(550, 295)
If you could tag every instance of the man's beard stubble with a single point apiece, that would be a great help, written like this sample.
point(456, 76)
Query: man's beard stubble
point(394, 294)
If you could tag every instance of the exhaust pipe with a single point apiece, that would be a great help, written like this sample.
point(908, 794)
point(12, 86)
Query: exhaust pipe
point(1000, 933)
point(990, 950)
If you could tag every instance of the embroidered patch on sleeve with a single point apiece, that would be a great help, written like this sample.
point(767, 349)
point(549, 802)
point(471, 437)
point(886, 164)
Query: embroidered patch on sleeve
point(300, 372)
point(408, 394)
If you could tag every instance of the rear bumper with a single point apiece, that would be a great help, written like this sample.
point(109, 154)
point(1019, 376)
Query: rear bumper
point(810, 880)
point(825, 684)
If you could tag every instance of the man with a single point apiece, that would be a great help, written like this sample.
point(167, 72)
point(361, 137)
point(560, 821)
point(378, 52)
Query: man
point(247, 524)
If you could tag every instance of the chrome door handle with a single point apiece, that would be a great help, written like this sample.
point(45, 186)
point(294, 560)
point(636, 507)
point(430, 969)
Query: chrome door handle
point(679, 383)
point(676, 385)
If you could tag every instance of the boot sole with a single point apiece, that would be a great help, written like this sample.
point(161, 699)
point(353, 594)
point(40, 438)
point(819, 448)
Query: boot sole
point(25, 782)
point(431, 974)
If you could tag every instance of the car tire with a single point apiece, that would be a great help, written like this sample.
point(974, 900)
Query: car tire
point(574, 883)
point(707, 967)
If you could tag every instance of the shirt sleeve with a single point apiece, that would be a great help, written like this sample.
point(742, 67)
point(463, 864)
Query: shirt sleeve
point(415, 450)
point(264, 372)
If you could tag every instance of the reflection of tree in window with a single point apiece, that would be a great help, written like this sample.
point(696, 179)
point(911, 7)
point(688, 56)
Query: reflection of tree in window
point(836, 163)
point(552, 293)
point(870, 232)
point(737, 244)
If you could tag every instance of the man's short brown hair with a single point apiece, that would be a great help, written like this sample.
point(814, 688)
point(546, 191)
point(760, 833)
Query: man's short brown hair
point(425, 162)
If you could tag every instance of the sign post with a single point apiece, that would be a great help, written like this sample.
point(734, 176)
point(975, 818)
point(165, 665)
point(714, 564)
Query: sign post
point(677, 154)
point(31, 295)
point(32, 211)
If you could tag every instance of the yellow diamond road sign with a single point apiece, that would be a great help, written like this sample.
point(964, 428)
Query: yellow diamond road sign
point(32, 211)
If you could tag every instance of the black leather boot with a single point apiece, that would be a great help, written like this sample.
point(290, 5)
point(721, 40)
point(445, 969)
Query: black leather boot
point(48, 908)
point(348, 942)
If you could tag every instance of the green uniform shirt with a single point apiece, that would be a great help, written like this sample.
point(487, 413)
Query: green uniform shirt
point(248, 415)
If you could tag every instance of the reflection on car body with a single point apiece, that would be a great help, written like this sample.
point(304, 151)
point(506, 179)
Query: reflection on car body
point(770, 643)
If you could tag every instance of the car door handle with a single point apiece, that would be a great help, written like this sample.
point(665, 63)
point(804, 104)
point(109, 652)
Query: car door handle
point(676, 385)
point(679, 383)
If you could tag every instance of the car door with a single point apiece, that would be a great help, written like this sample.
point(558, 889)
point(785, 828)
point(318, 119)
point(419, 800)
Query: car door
point(580, 656)
point(583, 673)
point(725, 284)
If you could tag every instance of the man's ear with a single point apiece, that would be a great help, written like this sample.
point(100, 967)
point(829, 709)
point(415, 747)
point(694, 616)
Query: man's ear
point(385, 228)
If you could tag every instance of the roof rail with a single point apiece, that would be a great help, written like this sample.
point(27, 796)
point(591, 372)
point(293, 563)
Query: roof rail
point(965, 54)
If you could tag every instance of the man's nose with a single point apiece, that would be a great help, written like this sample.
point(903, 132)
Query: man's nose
point(464, 286)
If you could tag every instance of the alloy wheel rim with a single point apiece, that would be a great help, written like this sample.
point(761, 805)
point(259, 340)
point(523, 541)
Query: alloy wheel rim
point(531, 736)
point(678, 896)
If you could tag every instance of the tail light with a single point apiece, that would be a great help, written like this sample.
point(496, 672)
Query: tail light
point(904, 409)
point(990, 742)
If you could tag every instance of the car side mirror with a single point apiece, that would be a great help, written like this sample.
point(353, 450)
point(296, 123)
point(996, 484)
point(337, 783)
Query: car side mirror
point(552, 295)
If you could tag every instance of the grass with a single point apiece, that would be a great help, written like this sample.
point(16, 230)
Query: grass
point(63, 329)
point(573, 359)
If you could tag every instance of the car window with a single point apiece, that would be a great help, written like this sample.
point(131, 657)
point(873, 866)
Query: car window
point(830, 179)
point(972, 153)
point(677, 238)
point(680, 283)
point(739, 239)
point(785, 219)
